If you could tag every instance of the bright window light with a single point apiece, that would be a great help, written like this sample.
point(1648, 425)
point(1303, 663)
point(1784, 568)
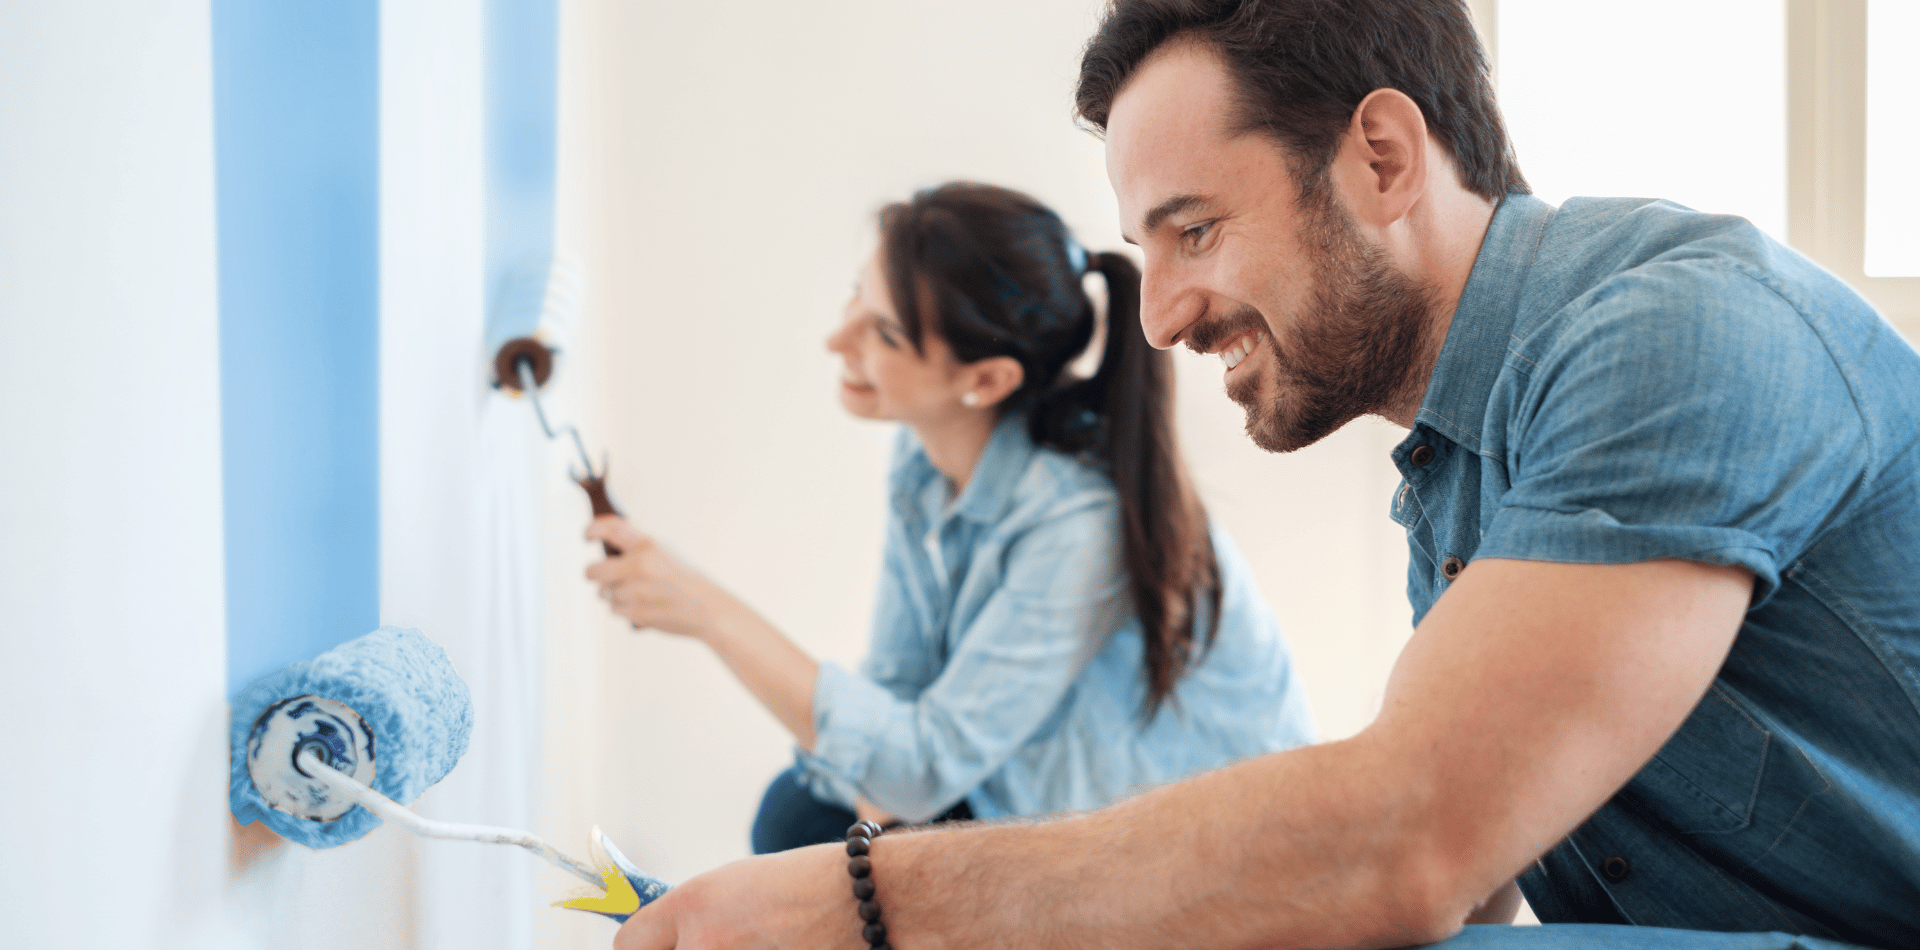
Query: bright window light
point(1676, 99)
point(1893, 139)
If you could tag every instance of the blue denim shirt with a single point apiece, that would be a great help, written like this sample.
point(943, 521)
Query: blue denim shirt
point(1628, 380)
point(1006, 659)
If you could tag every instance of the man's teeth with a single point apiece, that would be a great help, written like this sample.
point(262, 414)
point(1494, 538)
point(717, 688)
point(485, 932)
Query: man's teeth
point(1240, 350)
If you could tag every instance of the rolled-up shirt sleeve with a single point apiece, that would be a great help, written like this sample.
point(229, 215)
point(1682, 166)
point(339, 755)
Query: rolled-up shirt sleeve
point(1663, 424)
point(1061, 594)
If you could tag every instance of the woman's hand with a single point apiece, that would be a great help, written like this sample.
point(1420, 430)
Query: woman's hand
point(649, 587)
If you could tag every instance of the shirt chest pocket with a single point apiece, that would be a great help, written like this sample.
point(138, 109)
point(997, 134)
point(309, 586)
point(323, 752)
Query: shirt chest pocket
point(1724, 774)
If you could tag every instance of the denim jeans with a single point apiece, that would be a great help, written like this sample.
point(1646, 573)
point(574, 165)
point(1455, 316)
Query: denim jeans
point(790, 817)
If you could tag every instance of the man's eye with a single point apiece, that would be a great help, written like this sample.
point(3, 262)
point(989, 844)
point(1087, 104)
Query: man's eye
point(1193, 235)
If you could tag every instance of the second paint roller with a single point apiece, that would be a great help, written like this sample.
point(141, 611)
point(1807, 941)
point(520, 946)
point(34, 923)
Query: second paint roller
point(528, 327)
point(325, 750)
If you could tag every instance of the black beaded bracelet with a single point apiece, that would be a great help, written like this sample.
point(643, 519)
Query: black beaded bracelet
point(860, 865)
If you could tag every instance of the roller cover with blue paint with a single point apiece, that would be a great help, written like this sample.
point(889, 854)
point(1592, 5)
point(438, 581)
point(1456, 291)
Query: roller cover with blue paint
point(401, 685)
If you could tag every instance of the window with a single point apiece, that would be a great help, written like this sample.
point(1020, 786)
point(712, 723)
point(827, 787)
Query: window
point(1893, 139)
point(1676, 99)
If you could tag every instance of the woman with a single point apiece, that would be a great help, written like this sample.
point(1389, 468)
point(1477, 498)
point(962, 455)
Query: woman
point(1057, 625)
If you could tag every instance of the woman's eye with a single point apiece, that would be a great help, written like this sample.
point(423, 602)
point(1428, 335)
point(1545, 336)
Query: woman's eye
point(886, 335)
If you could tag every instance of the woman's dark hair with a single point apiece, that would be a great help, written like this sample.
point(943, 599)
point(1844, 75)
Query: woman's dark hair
point(1300, 68)
point(994, 273)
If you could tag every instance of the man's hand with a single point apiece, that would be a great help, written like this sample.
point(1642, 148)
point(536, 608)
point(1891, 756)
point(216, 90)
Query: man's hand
point(795, 900)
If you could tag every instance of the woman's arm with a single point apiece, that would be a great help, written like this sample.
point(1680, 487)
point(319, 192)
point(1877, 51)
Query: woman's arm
point(648, 587)
point(1004, 663)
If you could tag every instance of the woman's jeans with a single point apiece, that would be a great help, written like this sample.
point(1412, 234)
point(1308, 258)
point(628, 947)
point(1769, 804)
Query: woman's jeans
point(790, 817)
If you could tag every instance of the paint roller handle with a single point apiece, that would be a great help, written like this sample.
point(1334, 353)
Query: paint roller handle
point(312, 766)
point(596, 489)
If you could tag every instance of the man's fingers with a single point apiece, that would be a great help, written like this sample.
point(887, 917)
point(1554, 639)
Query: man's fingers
point(650, 928)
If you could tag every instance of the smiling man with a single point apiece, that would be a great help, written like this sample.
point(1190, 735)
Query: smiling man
point(1662, 499)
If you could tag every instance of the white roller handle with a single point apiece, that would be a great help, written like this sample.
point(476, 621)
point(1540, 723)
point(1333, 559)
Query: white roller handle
point(398, 814)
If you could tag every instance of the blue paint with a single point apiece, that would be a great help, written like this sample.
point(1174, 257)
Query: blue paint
point(523, 50)
point(297, 118)
point(404, 689)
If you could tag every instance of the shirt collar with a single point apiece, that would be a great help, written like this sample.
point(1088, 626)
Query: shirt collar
point(1476, 344)
point(998, 472)
point(995, 477)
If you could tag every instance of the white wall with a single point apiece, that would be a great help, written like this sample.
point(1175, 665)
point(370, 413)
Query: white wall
point(113, 810)
point(722, 163)
point(459, 513)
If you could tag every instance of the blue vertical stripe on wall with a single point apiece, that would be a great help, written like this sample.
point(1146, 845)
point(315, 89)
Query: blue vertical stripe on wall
point(523, 50)
point(297, 118)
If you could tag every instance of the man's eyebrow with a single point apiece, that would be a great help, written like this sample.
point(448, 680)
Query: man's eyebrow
point(1168, 208)
point(1164, 210)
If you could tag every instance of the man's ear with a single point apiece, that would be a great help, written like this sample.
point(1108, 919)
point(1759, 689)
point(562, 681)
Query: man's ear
point(992, 379)
point(1384, 159)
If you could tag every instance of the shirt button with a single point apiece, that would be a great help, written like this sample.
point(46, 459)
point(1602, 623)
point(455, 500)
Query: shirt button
point(1452, 567)
point(1616, 869)
point(1422, 454)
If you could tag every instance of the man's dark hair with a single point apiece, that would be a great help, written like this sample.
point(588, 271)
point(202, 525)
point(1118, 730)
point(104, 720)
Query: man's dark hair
point(1300, 68)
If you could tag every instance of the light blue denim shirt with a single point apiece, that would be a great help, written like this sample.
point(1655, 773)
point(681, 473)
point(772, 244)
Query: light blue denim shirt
point(1628, 380)
point(1006, 659)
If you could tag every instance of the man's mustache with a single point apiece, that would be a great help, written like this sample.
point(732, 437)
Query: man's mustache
point(1210, 331)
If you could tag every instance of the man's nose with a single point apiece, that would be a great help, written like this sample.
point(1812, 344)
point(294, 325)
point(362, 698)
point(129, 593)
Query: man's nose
point(1164, 315)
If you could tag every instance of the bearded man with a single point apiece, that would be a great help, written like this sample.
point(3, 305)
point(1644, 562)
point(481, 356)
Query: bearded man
point(1662, 498)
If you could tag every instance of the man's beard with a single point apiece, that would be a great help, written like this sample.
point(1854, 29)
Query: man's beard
point(1351, 352)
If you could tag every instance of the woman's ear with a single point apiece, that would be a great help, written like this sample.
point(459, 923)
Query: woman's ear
point(991, 380)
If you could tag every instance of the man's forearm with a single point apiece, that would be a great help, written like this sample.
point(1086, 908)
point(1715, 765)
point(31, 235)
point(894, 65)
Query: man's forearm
point(1214, 861)
point(1527, 697)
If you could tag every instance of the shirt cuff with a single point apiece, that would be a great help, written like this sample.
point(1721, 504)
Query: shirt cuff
point(1593, 536)
point(848, 712)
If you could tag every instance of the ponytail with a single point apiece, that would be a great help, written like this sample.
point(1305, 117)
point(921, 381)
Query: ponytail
point(1125, 413)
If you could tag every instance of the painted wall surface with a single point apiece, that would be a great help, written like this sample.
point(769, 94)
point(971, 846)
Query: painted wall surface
point(193, 195)
point(111, 601)
point(459, 503)
point(297, 125)
point(728, 160)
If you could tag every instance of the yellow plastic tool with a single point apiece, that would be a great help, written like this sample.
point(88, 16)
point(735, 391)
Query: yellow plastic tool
point(620, 899)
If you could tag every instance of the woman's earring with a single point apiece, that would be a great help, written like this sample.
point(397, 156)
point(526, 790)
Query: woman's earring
point(969, 399)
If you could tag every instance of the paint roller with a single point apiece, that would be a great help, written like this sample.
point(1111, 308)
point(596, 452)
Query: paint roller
point(527, 329)
point(325, 750)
